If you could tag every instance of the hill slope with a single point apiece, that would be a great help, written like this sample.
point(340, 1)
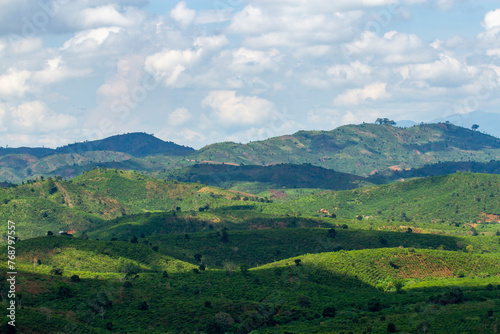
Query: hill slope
point(461, 197)
point(274, 176)
point(362, 149)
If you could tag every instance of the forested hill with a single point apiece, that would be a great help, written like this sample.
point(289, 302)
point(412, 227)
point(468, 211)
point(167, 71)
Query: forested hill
point(363, 149)
point(138, 144)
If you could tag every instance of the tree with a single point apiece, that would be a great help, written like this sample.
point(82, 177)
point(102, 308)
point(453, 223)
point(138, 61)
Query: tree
point(197, 257)
point(50, 233)
point(133, 239)
point(331, 233)
point(391, 328)
point(474, 127)
point(225, 237)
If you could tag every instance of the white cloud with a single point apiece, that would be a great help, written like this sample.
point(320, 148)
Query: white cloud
point(393, 48)
point(210, 42)
point(2, 116)
point(179, 116)
point(371, 92)
point(354, 73)
point(171, 65)
point(36, 116)
point(230, 109)
point(492, 20)
point(56, 71)
point(108, 16)
point(182, 14)
point(26, 45)
point(319, 6)
point(14, 82)
point(88, 40)
point(445, 72)
point(244, 60)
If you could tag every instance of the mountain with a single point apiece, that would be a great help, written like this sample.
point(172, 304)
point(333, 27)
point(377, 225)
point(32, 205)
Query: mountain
point(132, 151)
point(488, 122)
point(361, 149)
point(137, 144)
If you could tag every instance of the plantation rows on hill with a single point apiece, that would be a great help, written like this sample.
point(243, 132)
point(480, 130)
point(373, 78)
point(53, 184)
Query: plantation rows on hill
point(462, 197)
point(66, 284)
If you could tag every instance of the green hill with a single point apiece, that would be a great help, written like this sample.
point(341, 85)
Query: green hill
point(460, 197)
point(360, 291)
point(259, 178)
point(87, 201)
point(362, 149)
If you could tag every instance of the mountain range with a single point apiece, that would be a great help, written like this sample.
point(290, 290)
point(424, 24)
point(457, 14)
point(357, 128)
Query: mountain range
point(362, 150)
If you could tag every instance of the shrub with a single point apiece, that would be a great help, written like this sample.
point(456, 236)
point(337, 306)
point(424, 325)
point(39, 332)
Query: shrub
point(331, 233)
point(75, 278)
point(143, 306)
point(329, 312)
point(56, 271)
point(391, 328)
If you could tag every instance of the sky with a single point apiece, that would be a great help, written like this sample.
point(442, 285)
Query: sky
point(197, 72)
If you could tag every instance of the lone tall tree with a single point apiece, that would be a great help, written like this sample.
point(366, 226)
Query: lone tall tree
point(474, 127)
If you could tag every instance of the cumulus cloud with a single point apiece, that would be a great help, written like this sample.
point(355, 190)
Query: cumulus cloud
point(371, 92)
point(179, 116)
point(109, 16)
point(37, 116)
point(229, 109)
point(445, 72)
point(182, 14)
point(88, 40)
point(55, 71)
point(172, 65)
point(14, 82)
point(393, 47)
point(492, 20)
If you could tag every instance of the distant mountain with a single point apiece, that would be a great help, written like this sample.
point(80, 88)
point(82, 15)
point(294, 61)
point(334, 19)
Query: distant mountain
point(127, 151)
point(488, 122)
point(361, 149)
point(137, 144)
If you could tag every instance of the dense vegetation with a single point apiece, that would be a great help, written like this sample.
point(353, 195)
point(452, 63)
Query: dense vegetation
point(274, 249)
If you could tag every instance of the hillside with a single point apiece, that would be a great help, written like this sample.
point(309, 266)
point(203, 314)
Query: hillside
point(102, 194)
point(362, 149)
point(443, 168)
point(133, 151)
point(460, 197)
point(71, 285)
point(261, 178)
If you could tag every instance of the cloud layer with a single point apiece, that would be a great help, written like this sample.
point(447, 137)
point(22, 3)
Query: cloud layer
point(238, 70)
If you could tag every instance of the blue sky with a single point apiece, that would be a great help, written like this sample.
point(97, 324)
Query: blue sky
point(198, 72)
